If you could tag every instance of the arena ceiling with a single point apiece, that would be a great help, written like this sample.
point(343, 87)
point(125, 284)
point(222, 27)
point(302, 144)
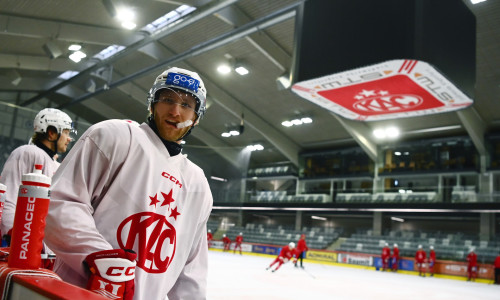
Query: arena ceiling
point(35, 35)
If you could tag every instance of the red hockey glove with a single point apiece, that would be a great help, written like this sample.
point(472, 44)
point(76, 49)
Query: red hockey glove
point(113, 273)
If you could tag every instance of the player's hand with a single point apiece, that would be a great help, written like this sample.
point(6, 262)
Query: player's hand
point(112, 273)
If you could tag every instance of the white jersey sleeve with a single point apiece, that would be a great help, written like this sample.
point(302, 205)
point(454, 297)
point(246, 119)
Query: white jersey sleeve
point(119, 188)
point(21, 161)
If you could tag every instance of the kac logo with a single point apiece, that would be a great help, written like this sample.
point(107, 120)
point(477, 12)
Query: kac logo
point(154, 237)
point(388, 104)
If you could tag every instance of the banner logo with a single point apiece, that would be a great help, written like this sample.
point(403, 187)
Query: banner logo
point(389, 90)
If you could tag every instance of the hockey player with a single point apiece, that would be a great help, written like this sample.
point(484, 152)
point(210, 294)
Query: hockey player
point(210, 237)
point(432, 260)
point(395, 258)
point(301, 249)
point(386, 255)
point(420, 260)
point(128, 210)
point(287, 253)
point(238, 241)
point(52, 129)
point(227, 242)
point(471, 265)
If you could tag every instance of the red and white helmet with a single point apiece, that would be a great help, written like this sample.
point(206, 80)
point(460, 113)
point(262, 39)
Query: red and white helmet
point(291, 245)
point(52, 117)
point(184, 80)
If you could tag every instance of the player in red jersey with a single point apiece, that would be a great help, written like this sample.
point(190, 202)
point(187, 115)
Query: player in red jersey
point(419, 260)
point(301, 249)
point(386, 254)
point(395, 258)
point(496, 265)
point(238, 241)
point(210, 237)
point(226, 241)
point(432, 260)
point(471, 265)
point(287, 253)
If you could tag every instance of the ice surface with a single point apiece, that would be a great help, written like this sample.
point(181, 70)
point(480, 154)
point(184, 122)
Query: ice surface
point(242, 277)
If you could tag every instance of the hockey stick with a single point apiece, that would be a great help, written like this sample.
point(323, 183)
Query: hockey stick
point(309, 273)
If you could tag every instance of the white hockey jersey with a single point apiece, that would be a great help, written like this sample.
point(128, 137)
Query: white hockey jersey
point(119, 188)
point(21, 161)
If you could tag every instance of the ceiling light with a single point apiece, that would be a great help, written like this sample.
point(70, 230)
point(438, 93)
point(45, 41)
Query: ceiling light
point(318, 218)
point(128, 25)
point(125, 14)
point(218, 178)
point(379, 133)
point(296, 122)
point(74, 47)
point(226, 134)
point(256, 147)
point(77, 56)
point(241, 70)
point(234, 132)
point(392, 132)
point(476, 1)
point(224, 69)
point(397, 153)
point(397, 219)
point(306, 120)
point(386, 133)
point(287, 123)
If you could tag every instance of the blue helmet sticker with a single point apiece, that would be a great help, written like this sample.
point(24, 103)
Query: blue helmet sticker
point(183, 81)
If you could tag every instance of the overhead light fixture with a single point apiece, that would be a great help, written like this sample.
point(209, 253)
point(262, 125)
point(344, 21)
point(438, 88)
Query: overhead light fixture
point(476, 1)
point(318, 218)
point(241, 70)
point(129, 25)
point(386, 133)
point(224, 69)
point(297, 121)
point(218, 178)
point(77, 56)
point(256, 147)
point(74, 47)
point(397, 219)
point(127, 17)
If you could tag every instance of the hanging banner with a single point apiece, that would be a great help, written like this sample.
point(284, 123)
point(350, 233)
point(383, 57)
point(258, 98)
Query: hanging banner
point(389, 90)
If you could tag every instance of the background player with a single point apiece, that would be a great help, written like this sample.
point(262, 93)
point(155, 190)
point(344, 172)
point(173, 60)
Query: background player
point(471, 265)
point(238, 241)
point(395, 258)
point(432, 260)
point(301, 249)
point(386, 255)
point(287, 253)
point(210, 237)
point(52, 129)
point(420, 260)
point(227, 242)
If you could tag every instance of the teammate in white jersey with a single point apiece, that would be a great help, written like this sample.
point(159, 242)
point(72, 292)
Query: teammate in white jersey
point(123, 187)
point(52, 129)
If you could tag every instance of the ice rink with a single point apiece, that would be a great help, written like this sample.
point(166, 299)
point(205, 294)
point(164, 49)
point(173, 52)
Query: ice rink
point(242, 277)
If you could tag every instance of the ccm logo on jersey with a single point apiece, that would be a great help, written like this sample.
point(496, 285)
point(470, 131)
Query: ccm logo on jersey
point(172, 178)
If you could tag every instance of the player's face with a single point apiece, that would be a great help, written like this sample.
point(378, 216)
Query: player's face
point(64, 140)
point(173, 107)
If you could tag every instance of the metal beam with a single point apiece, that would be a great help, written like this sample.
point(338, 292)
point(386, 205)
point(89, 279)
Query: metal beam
point(210, 9)
point(360, 133)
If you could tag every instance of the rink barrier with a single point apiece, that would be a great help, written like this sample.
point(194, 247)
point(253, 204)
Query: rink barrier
point(441, 267)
